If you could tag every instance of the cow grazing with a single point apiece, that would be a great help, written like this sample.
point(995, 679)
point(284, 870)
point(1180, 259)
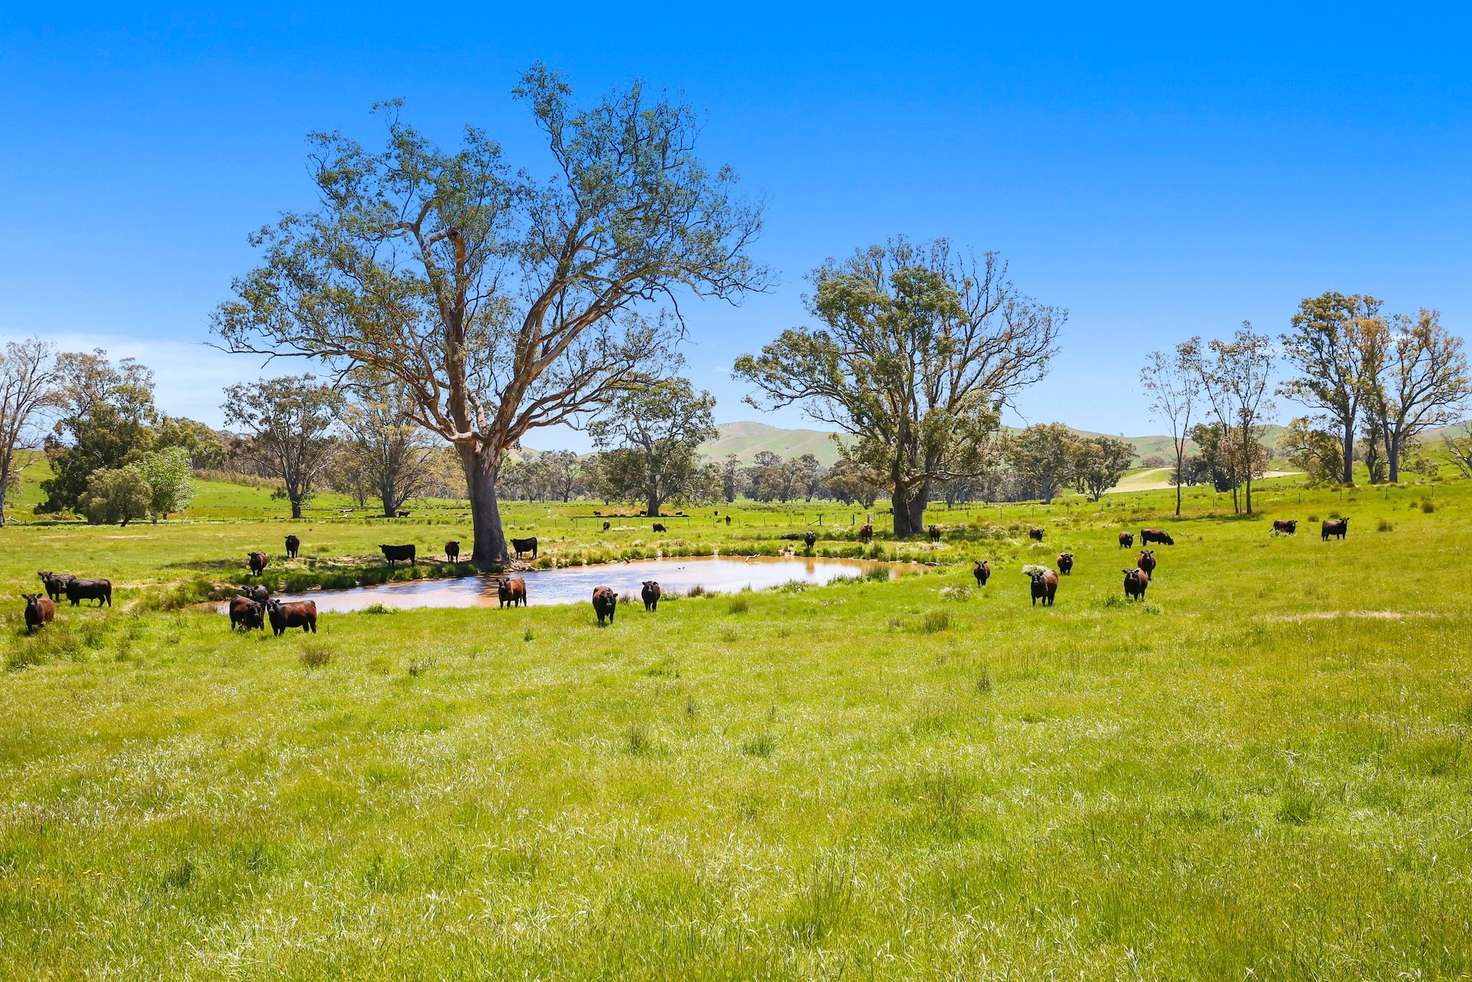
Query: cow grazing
point(452, 551)
point(512, 592)
point(79, 590)
point(40, 611)
point(866, 534)
point(1147, 561)
point(298, 613)
point(810, 539)
point(982, 571)
point(1044, 586)
point(55, 584)
point(293, 545)
point(1148, 536)
point(395, 554)
point(605, 603)
point(1135, 582)
point(1285, 526)
point(525, 545)
point(257, 593)
point(1126, 540)
point(650, 592)
point(257, 562)
point(607, 526)
point(401, 514)
point(246, 614)
point(1035, 535)
point(1065, 563)
point(1334, 527)
point(934, 533)
point(658, 527)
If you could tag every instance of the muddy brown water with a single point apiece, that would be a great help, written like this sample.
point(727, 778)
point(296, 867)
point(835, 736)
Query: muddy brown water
point(574, 584)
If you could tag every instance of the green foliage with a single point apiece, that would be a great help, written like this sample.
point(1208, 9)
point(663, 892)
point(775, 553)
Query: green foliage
point(649, 442)
point(116, 496)
point(106, 423)
point(168, 481)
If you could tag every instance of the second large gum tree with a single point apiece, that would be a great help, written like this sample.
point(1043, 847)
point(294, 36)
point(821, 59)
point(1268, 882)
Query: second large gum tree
point(499, 302)
point(918, 350)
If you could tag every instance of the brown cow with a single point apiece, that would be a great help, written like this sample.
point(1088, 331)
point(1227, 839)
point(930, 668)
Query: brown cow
point(246, 613)
point(866, 534)
point(650, 593)
point(55, 584)
point(1044, 586)
point(1135, 582)
point(1288, 526)
point(512, 592)
point(40, 611)
point(982, 571)
point(605, 603)
point(1331, 528)
point(293, 545)
point(1148, 536)
point(299, 613)
point(1147, 561)
point(257, 562)
point(452, 551)
point(1065, 563)
point(934, 533)
point(1126, 540)
point(1035, 535)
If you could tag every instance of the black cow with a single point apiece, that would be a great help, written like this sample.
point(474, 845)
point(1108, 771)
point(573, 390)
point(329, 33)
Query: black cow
point(810, 539)
point(79, 590)
point(1044, 586)
point(40, 611)
point(1333, 528)
point(650, 592)
point(1135, 582)
point(55, 583)
point(607, 526)
point(525, 545)
point(401, 514)
point(982, 571)
point(658, 527)
point(452, 551)
point(395, 554)
point(1126, 540)
point(246, 614)
point(728, 519)
point(1147, 561)
point(1287, 526)
point(257, 593)
point(512, 592)
point(866, 534)
point(934, 533)
point(1065, 563)
point(257, 562)
point(1148, 536)
point(299, 613)
point(1035, 535)
point(293, 544)
point(605, 603)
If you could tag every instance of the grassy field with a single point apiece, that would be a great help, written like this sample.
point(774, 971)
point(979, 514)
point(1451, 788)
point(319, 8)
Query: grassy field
point(1264, 770)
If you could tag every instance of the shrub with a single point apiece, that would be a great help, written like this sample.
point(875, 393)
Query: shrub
point(739, 605)
point(934, 621)
point(1428, 506)
point(984, 682)
point(1384, 526)
point(315, 656)
point(378, 608)
point(760, 745)
point(637, 740)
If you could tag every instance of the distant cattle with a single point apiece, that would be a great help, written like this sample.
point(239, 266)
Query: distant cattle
point(982, 571)
point(1333, 527)
point(658, 527)
point(1148, 536)
point(257, 593)
point(934, 531)
point(650, 593)
point(512, 592)
point(1135, 582)
point(1065, 563)
point(605, 603)
point(55, 583)
point(396, 554)
point(246, 614)
point(525, 545)
point(1035, 535)
point(1147, 561)
point(1126, 540)
point(810, 539)
point(728, 519)
point(257, 561)
point(1283, 526)
point(40, 611)
point(866, 534)
point(293, 544)
point(299, 613)
point(79, 590)
point(401, 514)
point(607, 526)
point(1044, 586)
point(452, 551)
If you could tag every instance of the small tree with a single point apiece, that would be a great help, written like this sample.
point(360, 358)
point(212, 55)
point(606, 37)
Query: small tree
point(106, 421)
point(390, 455)
point(1043, 457)
point(1099, 462)
point(29, 385)
point(651, 441)
point(730, 478)
point(169, 481)
point(115, 495)
point(1174, 386)
point(1234, 376)
point(290, 419)
point(1317, 451)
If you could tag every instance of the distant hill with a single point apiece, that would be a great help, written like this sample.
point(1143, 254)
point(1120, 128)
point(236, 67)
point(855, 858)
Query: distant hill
point(746, 438)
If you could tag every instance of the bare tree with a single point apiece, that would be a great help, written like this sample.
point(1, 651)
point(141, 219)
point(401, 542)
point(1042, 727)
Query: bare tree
point(290, 418)
point(1419, 381)
point(919, 349)
point(29, 383)
point(1174, 386)
point(500, 303)
point(1235, 377)
point(1459, 448)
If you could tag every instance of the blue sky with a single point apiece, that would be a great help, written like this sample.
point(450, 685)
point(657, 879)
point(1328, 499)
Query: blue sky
point(1160, 173)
